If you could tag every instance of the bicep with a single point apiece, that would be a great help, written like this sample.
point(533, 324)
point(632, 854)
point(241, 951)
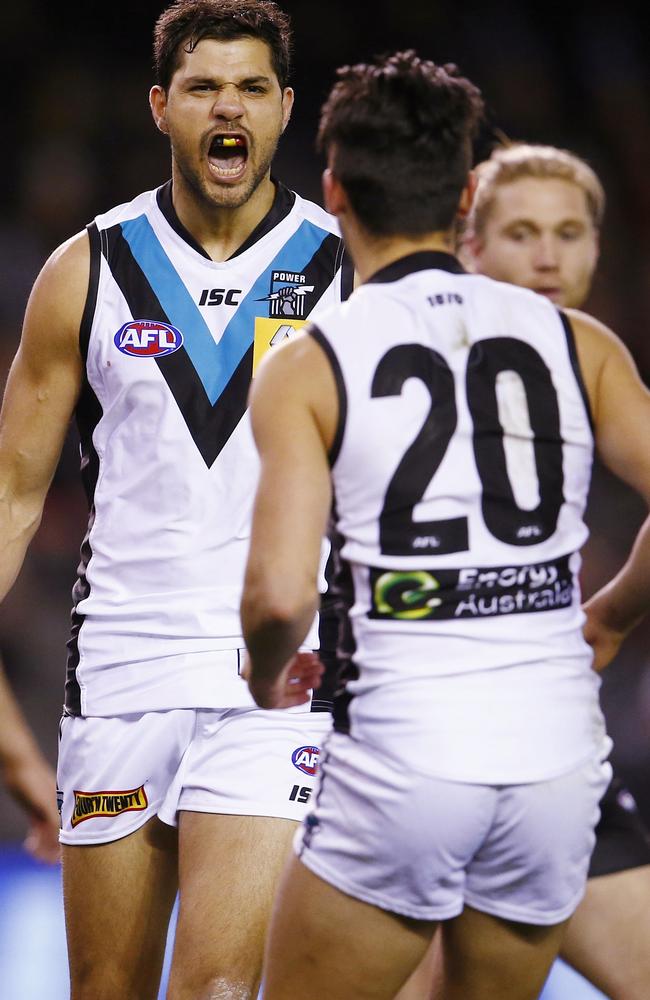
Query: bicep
point(622, 415)
point(294, 492)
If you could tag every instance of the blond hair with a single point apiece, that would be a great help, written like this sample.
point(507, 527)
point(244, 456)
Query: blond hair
point(519, 160)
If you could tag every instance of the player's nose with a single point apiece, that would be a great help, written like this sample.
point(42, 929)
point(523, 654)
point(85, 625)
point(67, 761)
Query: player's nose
point(228, 103)
point(546, 256)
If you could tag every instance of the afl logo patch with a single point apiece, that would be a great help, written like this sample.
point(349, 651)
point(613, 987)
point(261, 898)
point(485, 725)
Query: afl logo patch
point(145, 338)
point(306, 759)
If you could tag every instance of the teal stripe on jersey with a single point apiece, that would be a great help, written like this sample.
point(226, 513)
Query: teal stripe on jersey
point(215, 363)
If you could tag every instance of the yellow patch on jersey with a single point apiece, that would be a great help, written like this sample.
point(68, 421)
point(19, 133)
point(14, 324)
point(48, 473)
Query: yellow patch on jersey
point(269, 332)
point(88, 805)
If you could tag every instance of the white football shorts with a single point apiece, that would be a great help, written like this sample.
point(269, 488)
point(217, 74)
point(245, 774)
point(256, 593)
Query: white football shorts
point(424, 847)
point(114, 774)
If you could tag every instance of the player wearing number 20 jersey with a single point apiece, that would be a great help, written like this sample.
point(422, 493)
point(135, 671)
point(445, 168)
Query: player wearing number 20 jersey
point(450, 417)
point(465, 399)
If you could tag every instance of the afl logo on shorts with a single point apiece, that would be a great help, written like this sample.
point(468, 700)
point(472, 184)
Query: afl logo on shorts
point(145, 338)
point(306, 759)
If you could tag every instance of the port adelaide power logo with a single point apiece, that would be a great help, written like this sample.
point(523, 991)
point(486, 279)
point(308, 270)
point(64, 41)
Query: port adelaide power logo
point(289, 296)
point(290, 300)
point(146, 338)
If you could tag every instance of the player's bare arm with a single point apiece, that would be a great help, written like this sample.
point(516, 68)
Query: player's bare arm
point(28, 777)
point(620, 405)
point(291, 510)
point(41, 393)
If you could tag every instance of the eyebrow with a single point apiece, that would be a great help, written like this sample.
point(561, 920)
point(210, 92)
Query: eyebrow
point(207, 78)
point(533, 224)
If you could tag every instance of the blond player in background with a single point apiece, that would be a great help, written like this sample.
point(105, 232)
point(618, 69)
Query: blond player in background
point(535, 222)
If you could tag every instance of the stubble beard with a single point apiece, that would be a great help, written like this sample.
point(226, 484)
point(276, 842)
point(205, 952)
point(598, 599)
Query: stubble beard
point(215, 196)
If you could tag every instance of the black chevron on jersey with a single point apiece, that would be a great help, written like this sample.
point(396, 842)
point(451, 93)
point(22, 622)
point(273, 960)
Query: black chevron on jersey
point(210, 424)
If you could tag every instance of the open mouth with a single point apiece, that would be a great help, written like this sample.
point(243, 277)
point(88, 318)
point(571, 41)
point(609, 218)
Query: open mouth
point(228, 155)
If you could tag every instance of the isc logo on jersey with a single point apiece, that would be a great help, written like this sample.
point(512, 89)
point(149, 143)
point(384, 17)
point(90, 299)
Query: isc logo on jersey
point(306, 759)
point(146, 338)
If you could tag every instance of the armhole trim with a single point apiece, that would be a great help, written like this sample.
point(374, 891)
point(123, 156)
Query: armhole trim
point(86, 324)
point(575, 364)
point(324, 343)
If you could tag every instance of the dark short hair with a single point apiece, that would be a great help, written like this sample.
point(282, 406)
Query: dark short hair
point(399, 133)
point(186, 22)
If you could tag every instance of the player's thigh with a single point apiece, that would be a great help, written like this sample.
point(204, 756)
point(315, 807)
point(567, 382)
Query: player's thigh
point(483, 957)
point(246, 782)
point(420, 984)
point(229, 869)
point(326, 945)
point(607, 939)
point(118, 900)
point(120, 875)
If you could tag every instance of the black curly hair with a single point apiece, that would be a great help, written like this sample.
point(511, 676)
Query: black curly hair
point(399, 136)
point(183, 24)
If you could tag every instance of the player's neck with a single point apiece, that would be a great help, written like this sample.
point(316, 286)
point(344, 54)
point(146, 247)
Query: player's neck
point(221, 230)
point(372, 253)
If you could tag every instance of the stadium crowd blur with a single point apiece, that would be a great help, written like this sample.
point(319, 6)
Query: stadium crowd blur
point(78, 138)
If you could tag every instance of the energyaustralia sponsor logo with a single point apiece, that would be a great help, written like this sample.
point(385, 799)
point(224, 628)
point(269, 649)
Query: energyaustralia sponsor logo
point(306, 759)
point(471, 592)
point(89, 805)
point(146, 338)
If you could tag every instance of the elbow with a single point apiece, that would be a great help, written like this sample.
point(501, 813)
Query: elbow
point(274, 607)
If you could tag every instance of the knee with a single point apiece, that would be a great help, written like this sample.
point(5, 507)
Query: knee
point(195, 986)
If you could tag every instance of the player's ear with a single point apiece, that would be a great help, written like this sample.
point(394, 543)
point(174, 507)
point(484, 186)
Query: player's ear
point(287, 106)
point(333, 193)
point(158, 105)
point(467, 196)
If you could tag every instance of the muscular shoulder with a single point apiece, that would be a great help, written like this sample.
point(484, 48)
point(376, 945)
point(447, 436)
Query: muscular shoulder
point(599, 351)
point(58, 298)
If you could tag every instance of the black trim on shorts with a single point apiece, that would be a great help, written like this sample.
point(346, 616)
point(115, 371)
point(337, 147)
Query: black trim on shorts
point(320, 338)
point(622, 839)
point(311, 822)
point(575, 364)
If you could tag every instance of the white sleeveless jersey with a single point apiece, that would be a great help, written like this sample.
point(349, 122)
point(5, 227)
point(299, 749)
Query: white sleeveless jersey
point(460, 472)
point(171, 339)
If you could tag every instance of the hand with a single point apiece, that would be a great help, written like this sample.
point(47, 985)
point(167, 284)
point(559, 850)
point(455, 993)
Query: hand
point(293, 685)
point(604, 640)
point(32, 783)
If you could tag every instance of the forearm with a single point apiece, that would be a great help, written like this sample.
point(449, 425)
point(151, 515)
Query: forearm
point(19, 521)
point(272, 637)
point(17, 743)
point(622, 603)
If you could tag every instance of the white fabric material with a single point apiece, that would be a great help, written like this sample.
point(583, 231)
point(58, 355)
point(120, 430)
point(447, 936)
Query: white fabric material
point(425, 847)
point(115, 774)
point(170, 534)
point(487, 691)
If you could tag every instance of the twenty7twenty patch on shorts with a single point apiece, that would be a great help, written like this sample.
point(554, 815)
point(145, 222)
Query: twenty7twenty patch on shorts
point(89, 804)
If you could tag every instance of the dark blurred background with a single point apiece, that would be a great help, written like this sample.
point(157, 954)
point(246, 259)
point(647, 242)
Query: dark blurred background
point(78, 139)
